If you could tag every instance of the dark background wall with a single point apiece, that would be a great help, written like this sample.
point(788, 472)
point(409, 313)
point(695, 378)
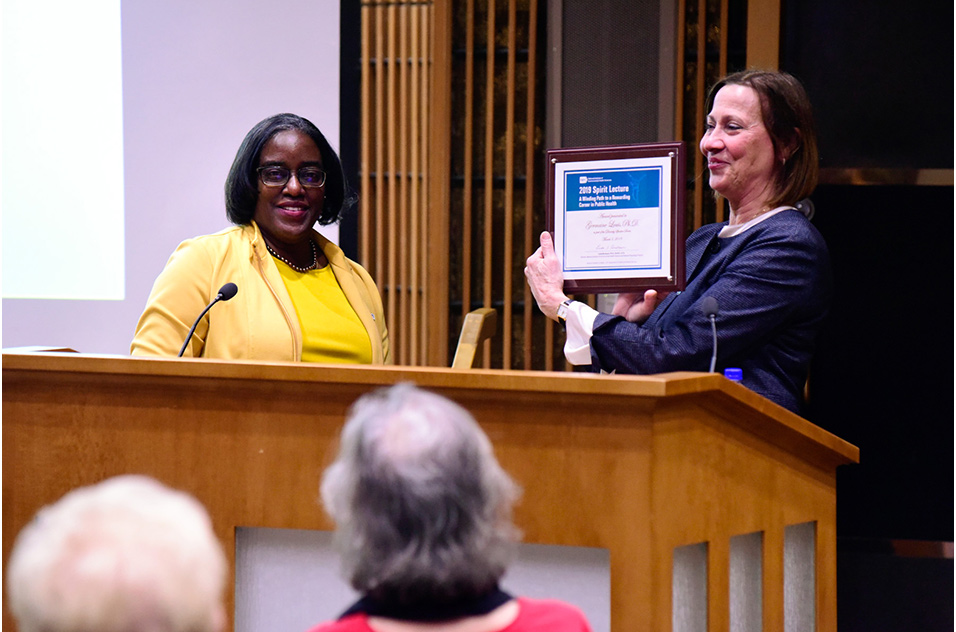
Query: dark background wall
point(880, 75)
point(882, 377)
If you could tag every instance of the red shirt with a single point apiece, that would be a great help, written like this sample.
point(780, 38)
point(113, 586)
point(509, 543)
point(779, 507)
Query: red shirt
point(534, 615)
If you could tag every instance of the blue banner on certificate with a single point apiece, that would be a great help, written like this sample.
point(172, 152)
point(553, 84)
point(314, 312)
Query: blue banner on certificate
point(616, 215)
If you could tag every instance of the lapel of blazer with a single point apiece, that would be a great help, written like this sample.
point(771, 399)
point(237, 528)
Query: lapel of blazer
point(703, 242)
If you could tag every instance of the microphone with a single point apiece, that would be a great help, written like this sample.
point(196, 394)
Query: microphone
point(709, 306)
point(226, 292)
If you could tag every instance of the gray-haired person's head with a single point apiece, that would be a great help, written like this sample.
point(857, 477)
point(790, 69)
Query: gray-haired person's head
point(126, 555)
point(422, 507)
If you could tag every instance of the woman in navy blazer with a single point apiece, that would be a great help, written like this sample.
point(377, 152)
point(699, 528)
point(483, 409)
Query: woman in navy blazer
point(767, 267)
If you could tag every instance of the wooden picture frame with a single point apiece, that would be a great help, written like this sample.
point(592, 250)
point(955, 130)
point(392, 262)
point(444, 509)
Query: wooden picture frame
point(616, 213)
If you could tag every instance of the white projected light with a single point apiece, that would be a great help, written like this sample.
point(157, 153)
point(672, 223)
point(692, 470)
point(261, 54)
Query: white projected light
point(62, 168)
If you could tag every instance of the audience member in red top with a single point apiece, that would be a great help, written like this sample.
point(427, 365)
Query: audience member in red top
point(423, 523)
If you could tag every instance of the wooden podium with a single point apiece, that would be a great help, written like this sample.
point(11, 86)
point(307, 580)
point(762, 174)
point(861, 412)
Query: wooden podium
point(693, 484)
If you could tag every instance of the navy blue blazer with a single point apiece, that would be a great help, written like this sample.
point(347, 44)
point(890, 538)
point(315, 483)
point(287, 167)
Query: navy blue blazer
point(773, 285)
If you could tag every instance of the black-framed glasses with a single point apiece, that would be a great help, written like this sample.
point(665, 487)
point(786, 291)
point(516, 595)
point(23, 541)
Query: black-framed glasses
point(276, 176)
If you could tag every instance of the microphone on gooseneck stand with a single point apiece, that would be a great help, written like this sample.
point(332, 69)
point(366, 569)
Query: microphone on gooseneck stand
point(226, 292)
point(709, 306)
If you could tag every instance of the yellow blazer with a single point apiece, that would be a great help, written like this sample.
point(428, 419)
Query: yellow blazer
point(260, 322)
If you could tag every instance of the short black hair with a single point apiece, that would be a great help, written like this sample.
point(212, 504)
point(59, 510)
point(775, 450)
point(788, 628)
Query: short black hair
point(242, 183)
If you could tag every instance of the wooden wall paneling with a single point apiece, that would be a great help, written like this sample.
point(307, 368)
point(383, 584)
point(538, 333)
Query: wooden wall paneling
point(703, 57)
point(399, 107)
point(413, 275)
point(439, 175)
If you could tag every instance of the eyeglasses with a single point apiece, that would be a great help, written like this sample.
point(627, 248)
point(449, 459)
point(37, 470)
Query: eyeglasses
point(275, 176)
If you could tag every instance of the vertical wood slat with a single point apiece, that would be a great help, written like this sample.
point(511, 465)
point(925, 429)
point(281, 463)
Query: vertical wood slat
point(468, 165)
point(379, 150)
point(529, 175)
point(439, 174)
point(391, 145)
point(763, 34)
point(548, 343)
point(681, 69)
point(507, 292)
point(365, 142)
point(548, 334)
point(718, 579)
point(489, 165)
point(773, 580)
point(414, 223)
point(701, 78)
point(724, 23)
point(425, 317)
point(401, 184)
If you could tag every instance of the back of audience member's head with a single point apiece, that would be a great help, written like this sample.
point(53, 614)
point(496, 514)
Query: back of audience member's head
point(422, 507)
point(125, 555)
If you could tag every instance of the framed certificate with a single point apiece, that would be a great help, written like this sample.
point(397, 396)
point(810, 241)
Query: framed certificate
point(617, 216)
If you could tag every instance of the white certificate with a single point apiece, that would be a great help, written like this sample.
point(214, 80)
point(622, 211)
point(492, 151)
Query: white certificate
point(617, 216)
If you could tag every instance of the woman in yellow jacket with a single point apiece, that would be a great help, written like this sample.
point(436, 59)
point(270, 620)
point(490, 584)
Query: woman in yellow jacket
point(299, 298)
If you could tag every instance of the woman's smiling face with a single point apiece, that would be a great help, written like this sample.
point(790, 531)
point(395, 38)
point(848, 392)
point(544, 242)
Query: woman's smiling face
point(285, 214)
point(739, 150)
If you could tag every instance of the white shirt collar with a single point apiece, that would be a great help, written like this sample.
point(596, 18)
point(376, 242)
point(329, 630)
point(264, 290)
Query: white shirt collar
point(730, 231)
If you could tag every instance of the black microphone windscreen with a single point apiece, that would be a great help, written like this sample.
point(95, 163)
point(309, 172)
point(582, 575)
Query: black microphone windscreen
point(227, 291)
point(709, 306)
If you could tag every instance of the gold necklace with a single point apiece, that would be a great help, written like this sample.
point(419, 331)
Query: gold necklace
point(312, 266)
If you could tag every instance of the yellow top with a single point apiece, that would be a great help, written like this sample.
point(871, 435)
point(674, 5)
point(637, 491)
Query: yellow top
point(260, 323)
point(331, 330)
